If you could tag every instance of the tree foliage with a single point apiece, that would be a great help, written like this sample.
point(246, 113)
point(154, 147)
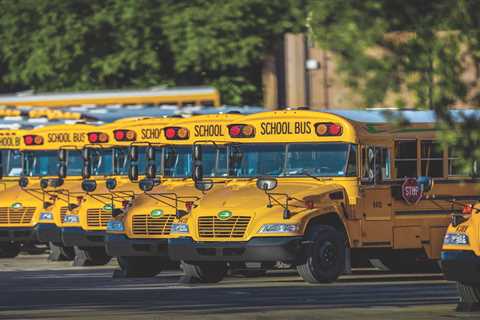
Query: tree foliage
point(99, 44)
point(416, 46)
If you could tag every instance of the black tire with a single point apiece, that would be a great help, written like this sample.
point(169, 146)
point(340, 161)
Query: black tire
point(131, 267)
point(9, 250)
point(91, 256)
point(205, 272)
point(60, 253)
point(323, 259)
point(469, 294)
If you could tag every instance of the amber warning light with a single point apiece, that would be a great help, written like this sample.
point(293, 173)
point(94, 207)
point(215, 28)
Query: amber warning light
point(176, 133)
point(33, 140)
point(97, 137)
point(328, 129)
point(124, 135)
point(241, 131)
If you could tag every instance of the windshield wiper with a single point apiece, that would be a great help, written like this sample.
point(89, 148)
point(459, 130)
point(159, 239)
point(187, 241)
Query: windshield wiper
point(308, 174)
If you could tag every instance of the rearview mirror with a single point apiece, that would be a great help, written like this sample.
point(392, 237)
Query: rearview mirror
point(89, 185)
point(133, 153)
point(62, 155)
point(44, 183)
point(204, 185)
point(425, 182)
point(23, 182)
point(133, 172)
point(266, 184)
point(197, 174)
point(86, 154)
point(86, 170)
point(151, 153)
point(56, 182)
point(197, 152)
point(151, 170)
point(146, 184)
point(62, 170)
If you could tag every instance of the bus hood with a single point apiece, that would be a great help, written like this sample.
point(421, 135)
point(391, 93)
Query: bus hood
point(245, 195)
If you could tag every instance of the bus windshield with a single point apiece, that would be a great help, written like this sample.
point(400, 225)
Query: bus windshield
point(11, 163)
point(74, 163)
point(40, 163)
point(296, 159)
point(177, 161)
point(121, 160)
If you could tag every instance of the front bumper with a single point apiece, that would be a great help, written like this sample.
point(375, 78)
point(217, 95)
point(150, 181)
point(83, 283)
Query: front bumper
point(48, 232)
point(119, 245)
point(461, 266)
point(260, 249)
point(17, 234)
point(82, 238)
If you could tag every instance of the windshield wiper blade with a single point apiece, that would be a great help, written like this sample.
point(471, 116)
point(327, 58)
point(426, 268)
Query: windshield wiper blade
point(308, 174)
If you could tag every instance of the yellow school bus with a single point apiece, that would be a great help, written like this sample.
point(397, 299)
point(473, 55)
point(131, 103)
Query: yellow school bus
point(318, 190)
point(139, 236)
point(204, 96)
point(461, 254)
point(105, 188)
point(12, 220)
point(52, 168)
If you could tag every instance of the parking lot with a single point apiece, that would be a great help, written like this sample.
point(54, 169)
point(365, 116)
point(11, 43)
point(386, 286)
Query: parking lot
point(33, 288)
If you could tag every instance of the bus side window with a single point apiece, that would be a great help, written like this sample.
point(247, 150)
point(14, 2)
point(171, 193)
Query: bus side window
point(376, 164)
point(405, 158)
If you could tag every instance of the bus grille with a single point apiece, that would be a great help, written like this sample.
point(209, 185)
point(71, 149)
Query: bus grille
point(98, 217)
point(146, 225)
point(16, 216)
point(213, 227)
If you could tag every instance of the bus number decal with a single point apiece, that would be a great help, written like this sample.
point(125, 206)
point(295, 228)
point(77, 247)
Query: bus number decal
point(212, 130)
point(153, 133)
point(278, 127)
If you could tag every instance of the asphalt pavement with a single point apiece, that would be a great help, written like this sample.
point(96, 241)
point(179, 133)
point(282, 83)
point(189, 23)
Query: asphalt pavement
point(33, 288)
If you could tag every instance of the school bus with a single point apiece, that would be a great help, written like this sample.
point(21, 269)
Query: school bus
point(105, 187)
point(52, 168)
point(321, 189)
point(205, 96)
point(12, 220)
point(138, 237)
point(461, 254)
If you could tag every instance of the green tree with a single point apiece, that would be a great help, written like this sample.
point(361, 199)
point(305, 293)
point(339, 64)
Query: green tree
point(424, 46)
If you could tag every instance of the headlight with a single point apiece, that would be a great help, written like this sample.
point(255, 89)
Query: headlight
point(115, 226)
point(179, 228)
point(279, 228)
point(71, 218)
point(46, 216)
point(456, 238)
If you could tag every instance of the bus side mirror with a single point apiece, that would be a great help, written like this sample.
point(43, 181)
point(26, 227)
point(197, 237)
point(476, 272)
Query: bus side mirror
point(425, 182)
point(111, 183)
point(133, 172)
point(86, 170)
point(86, 154)
point(151, 153)
point(62, 155)
point(151, 171)
point(23, 182)
point(146, 185)
point(89, 185)
point(266, 184)
point(197, 174)
point(197, 152)
point(62, 170)
point(133, 153)
point(204, 185)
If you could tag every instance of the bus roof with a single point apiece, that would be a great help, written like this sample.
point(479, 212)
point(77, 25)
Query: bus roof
point(163, 95)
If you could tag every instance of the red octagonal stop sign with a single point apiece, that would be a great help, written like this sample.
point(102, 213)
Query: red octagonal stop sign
point(411, 191)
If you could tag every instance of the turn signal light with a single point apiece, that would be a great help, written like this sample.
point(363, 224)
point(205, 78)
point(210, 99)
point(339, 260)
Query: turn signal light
point(327, 129)
point(176, 133)
point(241, 131)
point(124, 135)
point(97, 137)
point(33, 140)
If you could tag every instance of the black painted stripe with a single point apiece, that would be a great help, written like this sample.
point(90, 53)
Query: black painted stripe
point(385, 243)
point(422, 212)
